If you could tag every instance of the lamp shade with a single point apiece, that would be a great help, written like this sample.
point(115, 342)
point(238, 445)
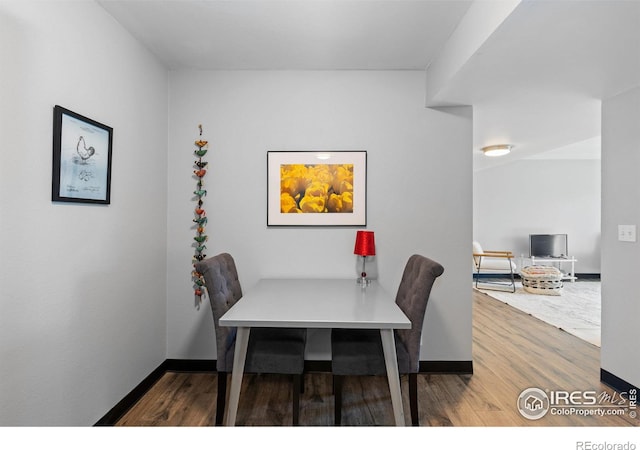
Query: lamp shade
point(365, 244)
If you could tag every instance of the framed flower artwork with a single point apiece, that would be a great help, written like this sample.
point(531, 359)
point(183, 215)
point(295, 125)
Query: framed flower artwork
point(317, 188)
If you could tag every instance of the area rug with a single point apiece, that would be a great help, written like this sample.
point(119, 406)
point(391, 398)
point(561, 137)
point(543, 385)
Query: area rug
point(576, 311)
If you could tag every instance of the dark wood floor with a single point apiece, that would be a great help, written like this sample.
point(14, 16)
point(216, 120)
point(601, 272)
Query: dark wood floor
point(512, 351)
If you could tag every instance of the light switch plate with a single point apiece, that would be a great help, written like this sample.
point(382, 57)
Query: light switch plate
point(627, 233)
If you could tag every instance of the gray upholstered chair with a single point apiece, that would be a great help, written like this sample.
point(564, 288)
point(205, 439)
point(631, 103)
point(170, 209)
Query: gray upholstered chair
point(270, 350)
point(359, 352)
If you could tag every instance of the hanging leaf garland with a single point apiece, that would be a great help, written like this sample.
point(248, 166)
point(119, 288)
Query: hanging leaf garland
point(200, 218)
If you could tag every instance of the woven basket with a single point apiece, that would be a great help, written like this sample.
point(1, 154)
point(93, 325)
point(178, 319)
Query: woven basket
point(545, 280)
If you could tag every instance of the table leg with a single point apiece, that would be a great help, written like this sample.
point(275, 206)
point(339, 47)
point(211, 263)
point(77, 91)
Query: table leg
point(390, 359)
point(239, 357)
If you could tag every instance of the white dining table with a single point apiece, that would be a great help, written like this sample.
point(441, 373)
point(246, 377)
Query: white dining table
point(316, 303)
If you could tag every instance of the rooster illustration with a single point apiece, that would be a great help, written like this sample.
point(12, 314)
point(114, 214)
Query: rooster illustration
point(84, 152)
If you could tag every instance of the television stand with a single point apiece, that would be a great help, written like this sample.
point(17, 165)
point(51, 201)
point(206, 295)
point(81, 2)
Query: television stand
point(571, 276)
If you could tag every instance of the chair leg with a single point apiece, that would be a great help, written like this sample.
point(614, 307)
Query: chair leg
point(222, 396)
point(513, 280)
point(413, 398)
point(297, 387)
point(337, 392)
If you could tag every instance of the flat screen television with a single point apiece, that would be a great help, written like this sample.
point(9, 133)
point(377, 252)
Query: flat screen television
point(548, 245)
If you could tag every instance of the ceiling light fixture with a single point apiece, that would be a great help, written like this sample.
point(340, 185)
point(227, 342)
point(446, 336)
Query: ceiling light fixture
point(497, 150)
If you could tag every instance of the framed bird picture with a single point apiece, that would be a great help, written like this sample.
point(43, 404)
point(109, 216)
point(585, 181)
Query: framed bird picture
point(81, 159)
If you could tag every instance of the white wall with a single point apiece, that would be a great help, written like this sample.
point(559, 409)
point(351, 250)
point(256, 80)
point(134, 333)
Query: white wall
point(419, 189)
point(620, 260)
point(82, 287)
point(540, 196)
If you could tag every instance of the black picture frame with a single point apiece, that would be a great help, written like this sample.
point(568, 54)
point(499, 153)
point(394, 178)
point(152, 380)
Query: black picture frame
point(82, 152)
point(285, 208)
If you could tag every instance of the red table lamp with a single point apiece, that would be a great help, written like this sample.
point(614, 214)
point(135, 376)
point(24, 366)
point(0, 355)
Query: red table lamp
point(365, 246)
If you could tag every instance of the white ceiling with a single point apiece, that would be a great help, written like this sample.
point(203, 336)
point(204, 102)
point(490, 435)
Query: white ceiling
point(535, 82)
point(290, 34)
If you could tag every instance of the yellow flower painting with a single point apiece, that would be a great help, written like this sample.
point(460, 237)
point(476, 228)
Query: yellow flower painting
point(316, 188)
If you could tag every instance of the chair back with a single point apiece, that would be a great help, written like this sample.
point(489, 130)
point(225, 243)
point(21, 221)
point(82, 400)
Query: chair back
point(412, 297)
point(223, 286)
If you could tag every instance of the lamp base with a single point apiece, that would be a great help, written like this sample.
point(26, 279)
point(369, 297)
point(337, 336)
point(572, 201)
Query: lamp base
point(363, 280)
